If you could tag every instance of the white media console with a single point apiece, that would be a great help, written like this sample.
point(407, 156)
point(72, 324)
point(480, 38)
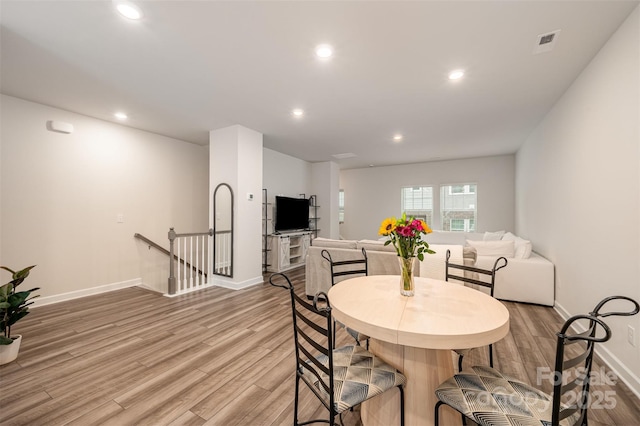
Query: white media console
point(287, 251)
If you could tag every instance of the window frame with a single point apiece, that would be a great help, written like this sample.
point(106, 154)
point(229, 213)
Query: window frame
point(455, 194)
point(426, 214)
point(340, 206)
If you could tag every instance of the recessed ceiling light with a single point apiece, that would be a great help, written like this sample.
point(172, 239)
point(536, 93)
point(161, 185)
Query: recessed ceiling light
point(129, 10)
point(397, 138)
point(456, 75)
point(120, 115)
point(297, 113)
point(324, 51)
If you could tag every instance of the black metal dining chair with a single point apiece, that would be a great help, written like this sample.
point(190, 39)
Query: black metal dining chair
point(490, 274)
point(341, 269)
point(341, 378)
point(491, 398)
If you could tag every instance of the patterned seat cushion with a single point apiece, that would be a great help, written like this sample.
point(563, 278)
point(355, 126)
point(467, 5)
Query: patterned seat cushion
point(354, 333)
point(488, 397)
point(358, 376)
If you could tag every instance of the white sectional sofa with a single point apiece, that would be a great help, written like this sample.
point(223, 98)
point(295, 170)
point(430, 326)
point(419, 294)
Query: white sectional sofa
point(382, 260)
point(528, 277)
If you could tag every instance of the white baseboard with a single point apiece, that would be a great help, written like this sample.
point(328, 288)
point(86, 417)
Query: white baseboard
point(234, 285)
point(561, 310)
point(56, 298)
point(221, 282)
point(191, 290)
point(612, 361)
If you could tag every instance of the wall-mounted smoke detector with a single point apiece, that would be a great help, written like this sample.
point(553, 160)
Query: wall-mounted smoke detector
point(546, 42)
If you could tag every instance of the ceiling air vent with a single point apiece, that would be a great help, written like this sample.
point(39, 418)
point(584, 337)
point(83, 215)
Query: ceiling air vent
point(343, 156)
point(546, 42)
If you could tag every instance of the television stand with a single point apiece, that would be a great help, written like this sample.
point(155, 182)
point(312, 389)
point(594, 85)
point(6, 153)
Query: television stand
point(288, 250)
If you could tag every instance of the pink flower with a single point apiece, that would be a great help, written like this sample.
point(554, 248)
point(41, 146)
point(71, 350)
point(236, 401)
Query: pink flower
point(405, 231)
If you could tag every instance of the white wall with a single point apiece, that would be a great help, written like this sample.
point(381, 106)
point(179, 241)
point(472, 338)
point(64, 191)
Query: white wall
point(284, 175)
point(372, 194)
point(578, 190)
point(290, 176)
point(61, 195)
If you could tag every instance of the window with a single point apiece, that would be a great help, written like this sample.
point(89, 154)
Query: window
point(462, 189)
point(457, 224)
point(417, 201)
point(458, 206)
point(341, 206)
point(462, 225)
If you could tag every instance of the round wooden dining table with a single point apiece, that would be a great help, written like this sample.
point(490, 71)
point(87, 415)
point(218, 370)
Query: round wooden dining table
point(416, 335)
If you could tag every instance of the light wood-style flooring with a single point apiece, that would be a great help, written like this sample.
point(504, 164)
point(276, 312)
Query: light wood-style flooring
point(217, 357)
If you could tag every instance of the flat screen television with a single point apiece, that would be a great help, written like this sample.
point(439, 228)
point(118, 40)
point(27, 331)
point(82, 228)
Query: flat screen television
point(291, 214)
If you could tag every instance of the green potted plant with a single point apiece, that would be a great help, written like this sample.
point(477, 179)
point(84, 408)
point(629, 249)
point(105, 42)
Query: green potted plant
point(14, 305)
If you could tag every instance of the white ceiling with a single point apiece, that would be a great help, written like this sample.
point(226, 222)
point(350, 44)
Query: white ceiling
point(193, 66)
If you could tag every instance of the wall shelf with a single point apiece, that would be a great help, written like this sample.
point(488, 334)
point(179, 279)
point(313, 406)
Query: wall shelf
point(265, 231)
point(281, 252)
point(314, 218)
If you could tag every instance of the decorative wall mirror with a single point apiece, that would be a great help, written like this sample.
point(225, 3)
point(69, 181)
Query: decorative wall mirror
point(223, 230)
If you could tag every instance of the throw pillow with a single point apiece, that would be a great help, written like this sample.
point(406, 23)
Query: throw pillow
point(493, 248)
point(508, 236)
point(493, 236)
point(522, 247)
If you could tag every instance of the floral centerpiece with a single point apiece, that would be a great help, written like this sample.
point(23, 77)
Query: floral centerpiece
point(406, 236)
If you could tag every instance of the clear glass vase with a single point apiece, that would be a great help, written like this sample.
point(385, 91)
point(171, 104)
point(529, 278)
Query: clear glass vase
point(407, 285)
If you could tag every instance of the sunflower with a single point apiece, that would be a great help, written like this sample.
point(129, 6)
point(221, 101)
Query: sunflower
point(387, 226)
point(425, 227)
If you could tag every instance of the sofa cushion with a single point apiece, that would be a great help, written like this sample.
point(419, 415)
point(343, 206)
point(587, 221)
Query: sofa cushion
point(522, 247)
point(493, 248)
point(328, 242)
point(374, 245)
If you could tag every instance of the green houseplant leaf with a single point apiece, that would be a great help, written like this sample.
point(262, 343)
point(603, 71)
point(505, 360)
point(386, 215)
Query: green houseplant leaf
point(14, 305)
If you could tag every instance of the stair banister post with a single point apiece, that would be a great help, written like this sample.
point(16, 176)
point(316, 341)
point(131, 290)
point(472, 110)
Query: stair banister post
point(172, 278)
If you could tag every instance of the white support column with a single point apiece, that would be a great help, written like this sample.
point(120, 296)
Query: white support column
point(236, 159)
point(325, 183)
